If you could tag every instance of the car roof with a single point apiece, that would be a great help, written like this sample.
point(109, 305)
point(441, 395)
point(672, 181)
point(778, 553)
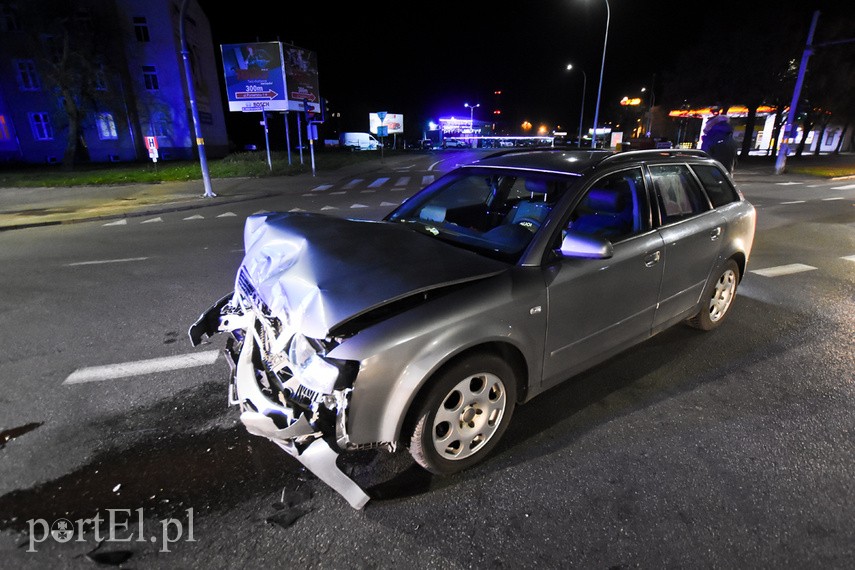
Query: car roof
point(576, 161)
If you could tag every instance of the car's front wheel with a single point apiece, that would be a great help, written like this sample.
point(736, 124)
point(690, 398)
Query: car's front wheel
point(464, 414)
point(718, 299)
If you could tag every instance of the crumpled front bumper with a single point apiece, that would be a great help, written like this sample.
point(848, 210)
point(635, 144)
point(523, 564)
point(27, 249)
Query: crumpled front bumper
point(263, 417)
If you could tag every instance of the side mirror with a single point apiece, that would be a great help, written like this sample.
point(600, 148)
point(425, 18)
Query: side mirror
point(585, 246)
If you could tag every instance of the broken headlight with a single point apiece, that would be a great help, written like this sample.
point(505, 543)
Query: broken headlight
point(309, 366)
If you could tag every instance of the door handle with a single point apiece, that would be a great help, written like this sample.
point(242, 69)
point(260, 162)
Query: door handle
point(715, 234)
point(652, 259)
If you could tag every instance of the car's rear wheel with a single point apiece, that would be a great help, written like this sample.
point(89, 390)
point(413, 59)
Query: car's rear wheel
point(718, 299)
point(464, 414)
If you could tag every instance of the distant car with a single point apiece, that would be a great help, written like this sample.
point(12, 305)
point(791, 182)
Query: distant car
point(454, 143)
point(501, 279)
point(506, 143)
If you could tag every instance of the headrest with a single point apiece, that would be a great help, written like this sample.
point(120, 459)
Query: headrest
point(604, 200)
point(536, 186)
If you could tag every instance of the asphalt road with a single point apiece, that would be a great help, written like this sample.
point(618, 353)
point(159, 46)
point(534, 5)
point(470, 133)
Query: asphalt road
point(725, 449)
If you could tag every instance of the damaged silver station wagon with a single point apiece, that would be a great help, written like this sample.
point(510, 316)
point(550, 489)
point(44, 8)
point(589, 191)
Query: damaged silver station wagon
point(501, 279)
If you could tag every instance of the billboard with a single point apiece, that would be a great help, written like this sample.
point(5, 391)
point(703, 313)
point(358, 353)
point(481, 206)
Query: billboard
point(267, 76)
point(393, 121)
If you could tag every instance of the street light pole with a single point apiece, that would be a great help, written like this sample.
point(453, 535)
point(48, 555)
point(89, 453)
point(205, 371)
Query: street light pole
point(582, 106)
point(191, 94)
point(472, 117)
point(602, 67)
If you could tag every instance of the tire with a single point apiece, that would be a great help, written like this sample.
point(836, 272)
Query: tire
point(464, 414)
point(718, 299)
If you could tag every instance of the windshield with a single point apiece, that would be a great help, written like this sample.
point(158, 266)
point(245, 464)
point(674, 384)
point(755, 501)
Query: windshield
point(494, 213)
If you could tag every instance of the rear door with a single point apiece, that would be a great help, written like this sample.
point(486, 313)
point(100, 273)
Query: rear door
point(692, 233)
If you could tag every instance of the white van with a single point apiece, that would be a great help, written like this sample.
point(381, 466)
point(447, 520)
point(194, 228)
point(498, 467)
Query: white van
point(359, 141)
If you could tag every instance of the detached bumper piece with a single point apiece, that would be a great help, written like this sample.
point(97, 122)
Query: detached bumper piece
point(300, 439)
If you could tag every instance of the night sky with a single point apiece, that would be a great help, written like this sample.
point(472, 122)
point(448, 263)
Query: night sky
point(425, 59)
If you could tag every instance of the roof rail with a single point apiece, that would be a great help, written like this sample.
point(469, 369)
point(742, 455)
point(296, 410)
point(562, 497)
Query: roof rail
point(652, 152)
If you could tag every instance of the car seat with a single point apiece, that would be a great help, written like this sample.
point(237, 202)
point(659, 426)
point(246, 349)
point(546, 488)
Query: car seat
point(607, 213)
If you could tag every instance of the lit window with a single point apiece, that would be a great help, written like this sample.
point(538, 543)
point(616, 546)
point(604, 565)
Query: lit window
point(5, 134)
point(141, 29)
point(150, 77)
point(107, 127)
point(28, 79)
point(42, 130)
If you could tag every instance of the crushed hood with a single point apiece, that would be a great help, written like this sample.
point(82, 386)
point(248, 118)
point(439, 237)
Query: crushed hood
point(316, 272)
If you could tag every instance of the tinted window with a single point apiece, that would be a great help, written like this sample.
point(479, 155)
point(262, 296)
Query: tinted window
point(677, 192)
point(615, 207)
point(716, 184)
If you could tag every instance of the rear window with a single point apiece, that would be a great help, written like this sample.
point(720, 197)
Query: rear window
point(718, 187)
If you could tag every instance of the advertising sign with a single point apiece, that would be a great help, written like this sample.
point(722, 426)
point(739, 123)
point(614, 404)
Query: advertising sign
point(255, 76)
point(301, 73)
point(394, 122)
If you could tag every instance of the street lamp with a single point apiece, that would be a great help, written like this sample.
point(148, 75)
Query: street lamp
point(472, 116)
point(582, 106)
point(602, 67)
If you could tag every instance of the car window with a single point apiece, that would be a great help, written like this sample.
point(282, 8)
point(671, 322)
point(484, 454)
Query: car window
point(678, 194)
point(494, 213)
point(615, 207)
point(718, 187)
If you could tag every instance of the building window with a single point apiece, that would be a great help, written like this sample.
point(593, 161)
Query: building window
point(42, 131)
point(106, 127)
point(28, 79)
point(141, 29)
point(150, 76)
point(159, 125)
point(5, 134)
point(8, 19)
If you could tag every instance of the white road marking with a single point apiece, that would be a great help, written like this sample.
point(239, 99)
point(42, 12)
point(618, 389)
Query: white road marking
point(322, 187)
point(848, 257)
point(121, 222)
point(152, 221)
point(389, 204)
point(358, 206)
point(196, 217)
point(227, 215)
point(296, 210)
point(793, 202)
point(334, 193)
point(403, 181)
point(427, 179)
point(328, 208)
point(102, 261)
point(367, 191)
point(847, 187)
point(783, 270)
point(379, 182)
point(140, 367)
point(432, 166)
point(789, 183)
point(833, 199)
point(353, 183)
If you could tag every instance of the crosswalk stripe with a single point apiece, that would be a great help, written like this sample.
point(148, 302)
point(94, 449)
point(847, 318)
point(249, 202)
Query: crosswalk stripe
point(353, 183)
point(379, 182)
point(783, 270)
point(329, 208)
point(322, 187)
point(196, 217)
point(358, 206)
point(388, 203)
point(152, 221)
point(227, 215)
point(427, 179)
point(403, 181)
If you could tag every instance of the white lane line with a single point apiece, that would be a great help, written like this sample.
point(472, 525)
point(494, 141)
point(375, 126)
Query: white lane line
point(403, 181)
point(296, 210)
point(336, 193)
point(152, 221)
point(367, 191)
point(196, 217)
point(140, 367)
point(322, 187)
point(789, 183)
point(783, 270)
point(389, 204)
point(102, 261)
point(121, 222)
point(793, 202)
point(379, 182)
point(328, 208)
point(358, 206)
point(833, 199)
point(427, 179)
point(352, 183)
point(432, 166)
point(848, 257)
point(227, 215)
point(847, 187)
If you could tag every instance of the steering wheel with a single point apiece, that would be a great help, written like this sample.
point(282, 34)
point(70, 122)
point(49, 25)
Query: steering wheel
point(531, 224)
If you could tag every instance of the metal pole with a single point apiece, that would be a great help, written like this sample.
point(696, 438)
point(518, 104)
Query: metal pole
point(266, 138)
point(191, 94)
point(784, 147)
point(602, 67)
point(287, 138)
point(582, 106)
point(300, 137)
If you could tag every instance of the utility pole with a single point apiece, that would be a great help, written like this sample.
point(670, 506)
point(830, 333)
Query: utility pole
point(789, 129)
point(191, 93)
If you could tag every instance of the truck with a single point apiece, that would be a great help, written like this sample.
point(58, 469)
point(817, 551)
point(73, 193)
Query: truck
point(359, 141)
